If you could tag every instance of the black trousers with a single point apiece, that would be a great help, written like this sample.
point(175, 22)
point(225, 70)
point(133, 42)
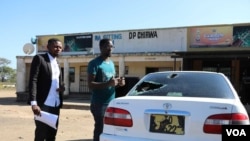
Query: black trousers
point(43, 132)
point(98, 111)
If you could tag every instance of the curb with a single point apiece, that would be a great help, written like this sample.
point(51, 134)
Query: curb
point(75, 106)
point(80, 104)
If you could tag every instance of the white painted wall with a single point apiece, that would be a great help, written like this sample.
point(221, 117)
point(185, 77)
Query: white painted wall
point(158, 40)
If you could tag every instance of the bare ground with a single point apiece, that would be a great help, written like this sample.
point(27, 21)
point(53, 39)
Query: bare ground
point(17, 124)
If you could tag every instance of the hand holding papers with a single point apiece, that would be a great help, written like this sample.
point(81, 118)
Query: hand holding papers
point(47, 118)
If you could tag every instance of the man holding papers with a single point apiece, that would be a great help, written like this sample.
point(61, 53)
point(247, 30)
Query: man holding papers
point(46, 91)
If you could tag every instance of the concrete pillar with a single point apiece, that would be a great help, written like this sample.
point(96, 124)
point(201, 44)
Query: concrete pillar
point(121, 66)
point(21, 75)
point(66, 77)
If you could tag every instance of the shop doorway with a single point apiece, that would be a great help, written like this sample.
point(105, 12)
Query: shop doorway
point(245, 81)
point(215, 66)
point(83, 83)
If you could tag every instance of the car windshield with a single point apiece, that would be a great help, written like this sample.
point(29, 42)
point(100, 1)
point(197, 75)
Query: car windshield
point(183, 85)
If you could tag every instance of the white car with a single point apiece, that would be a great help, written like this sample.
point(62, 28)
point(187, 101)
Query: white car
point(175, 106)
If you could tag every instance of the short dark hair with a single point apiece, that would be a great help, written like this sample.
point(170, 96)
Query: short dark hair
point(52, 40)
point(104, 42)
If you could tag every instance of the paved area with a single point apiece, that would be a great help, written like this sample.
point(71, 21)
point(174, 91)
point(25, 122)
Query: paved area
point(16, 119)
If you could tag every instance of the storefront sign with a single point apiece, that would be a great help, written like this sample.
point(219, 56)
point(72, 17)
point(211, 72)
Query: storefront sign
point(211, 36)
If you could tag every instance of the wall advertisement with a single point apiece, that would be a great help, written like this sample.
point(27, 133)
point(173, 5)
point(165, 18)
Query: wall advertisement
point(211, 36)
point(71, 44)
point(77, 43)
point(241, 36)
point(226, 36)
point(43, 40)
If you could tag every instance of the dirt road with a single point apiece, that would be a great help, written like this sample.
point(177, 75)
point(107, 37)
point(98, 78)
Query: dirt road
point(17, 124)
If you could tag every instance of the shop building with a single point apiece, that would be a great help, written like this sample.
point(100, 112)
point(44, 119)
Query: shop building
point(218, 48)
point(136, 53)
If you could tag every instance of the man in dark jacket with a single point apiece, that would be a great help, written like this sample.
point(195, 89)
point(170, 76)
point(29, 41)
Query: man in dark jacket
point(46, 89)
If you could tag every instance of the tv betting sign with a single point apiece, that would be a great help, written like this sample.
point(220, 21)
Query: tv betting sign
point(241, 132)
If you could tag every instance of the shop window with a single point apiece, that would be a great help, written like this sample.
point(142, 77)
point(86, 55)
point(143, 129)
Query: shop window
point(151, 69)
point(117, 70)
point(126, 70)
point(71, 74)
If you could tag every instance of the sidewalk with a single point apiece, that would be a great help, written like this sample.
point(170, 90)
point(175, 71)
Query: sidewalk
point(77, 101)
point(72, 103)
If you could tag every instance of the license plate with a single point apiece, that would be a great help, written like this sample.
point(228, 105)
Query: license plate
point(169, 124)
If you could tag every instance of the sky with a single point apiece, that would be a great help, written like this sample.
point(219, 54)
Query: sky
point(23, 19)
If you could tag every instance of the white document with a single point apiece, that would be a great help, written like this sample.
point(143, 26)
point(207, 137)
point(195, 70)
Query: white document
point(47, 118)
